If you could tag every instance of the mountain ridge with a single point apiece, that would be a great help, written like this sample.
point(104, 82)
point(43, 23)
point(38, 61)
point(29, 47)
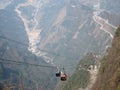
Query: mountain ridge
point(109, 73)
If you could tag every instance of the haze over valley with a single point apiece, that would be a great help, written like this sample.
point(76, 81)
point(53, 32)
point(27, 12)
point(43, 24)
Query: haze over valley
point(55, 33)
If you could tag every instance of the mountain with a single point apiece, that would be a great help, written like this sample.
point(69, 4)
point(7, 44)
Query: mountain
point(31, 75)
point(55, 32)
point(84, 76)
point(88, 75)
point(65, 30)
point(111, 11)
point(109, 73)
point(15, 73)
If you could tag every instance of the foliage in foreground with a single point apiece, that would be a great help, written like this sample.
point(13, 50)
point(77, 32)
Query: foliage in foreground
point(109, 73)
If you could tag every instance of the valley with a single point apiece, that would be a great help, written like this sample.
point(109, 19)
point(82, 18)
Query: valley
point(64, 33)
point(40, 45)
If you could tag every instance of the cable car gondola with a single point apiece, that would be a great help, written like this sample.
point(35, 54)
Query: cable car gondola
point(58, 74)
point(63, 77)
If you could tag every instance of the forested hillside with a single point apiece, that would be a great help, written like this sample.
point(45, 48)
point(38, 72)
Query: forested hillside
point(109, 73)
point(81, 78)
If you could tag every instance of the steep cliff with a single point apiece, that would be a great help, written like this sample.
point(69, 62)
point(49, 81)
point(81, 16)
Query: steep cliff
point(109, 73)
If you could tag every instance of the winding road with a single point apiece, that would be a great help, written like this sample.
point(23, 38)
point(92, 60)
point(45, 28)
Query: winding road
point(32, 32)
point(97, 19)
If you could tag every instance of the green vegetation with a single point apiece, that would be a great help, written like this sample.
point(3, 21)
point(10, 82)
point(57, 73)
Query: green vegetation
point(80, 78)
point(30, 75)
point(109, 73)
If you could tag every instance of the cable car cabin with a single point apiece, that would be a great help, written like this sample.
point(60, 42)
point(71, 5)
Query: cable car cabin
point(58, 74)
point(63, 77)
